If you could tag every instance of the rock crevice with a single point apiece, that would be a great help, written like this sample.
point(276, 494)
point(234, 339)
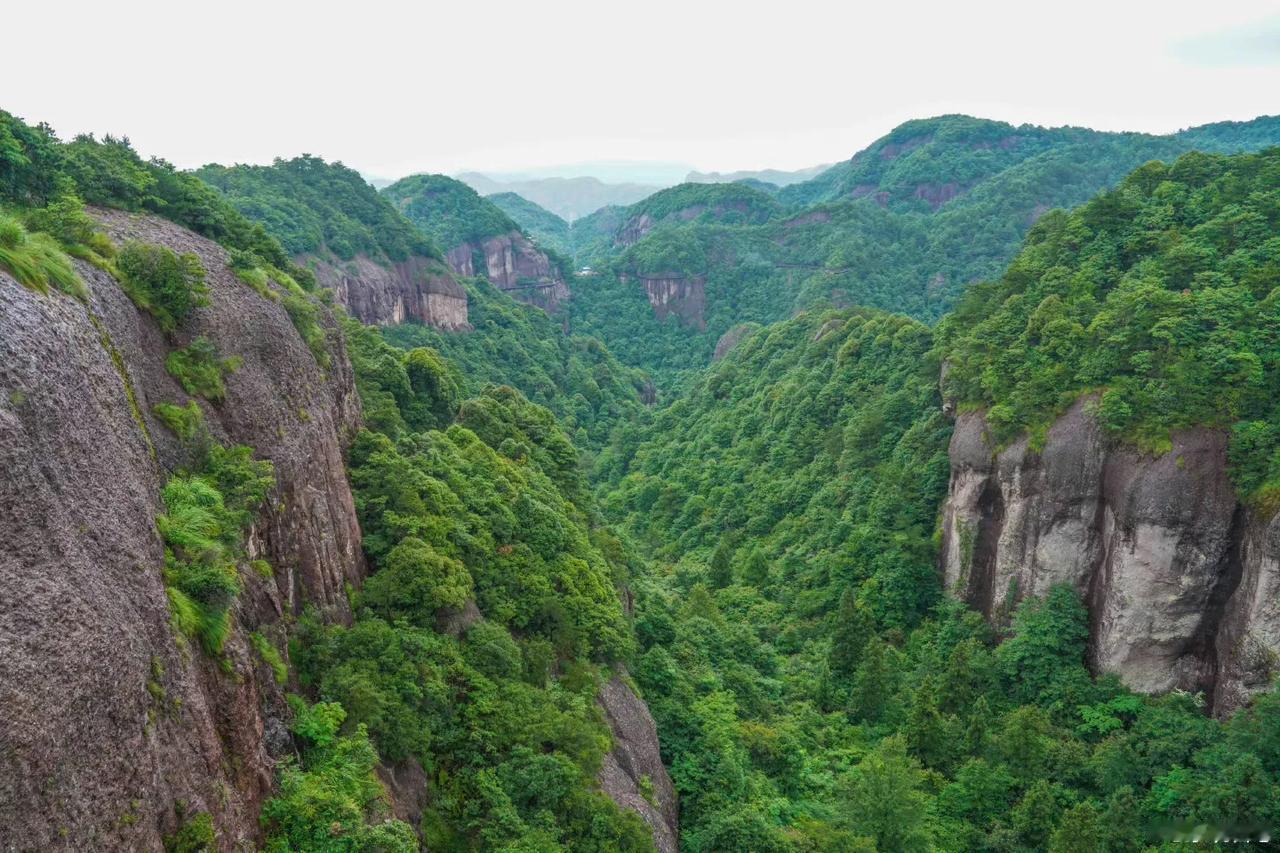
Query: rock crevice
point(1175, 570)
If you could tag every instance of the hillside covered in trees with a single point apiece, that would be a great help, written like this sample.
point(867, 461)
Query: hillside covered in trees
point(336, 586)
point(906, 225)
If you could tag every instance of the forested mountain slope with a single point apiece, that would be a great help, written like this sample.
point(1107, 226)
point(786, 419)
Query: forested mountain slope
point(906, 225)
point(380, 267)
point(480, 240)
point(815, 688)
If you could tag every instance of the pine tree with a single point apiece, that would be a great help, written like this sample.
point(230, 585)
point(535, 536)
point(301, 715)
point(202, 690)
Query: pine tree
point(873, 683)
point(756, 571)
point(854, 627)
point(721, 567)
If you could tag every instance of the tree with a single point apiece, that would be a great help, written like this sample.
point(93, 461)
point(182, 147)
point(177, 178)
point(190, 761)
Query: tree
point(873, 683)
point(756, 570)
point(721, 574)
point(854, 627)
point(884, 799)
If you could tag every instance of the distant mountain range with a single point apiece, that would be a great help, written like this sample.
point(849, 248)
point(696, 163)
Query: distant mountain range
point(776, 177)
point(568, 198)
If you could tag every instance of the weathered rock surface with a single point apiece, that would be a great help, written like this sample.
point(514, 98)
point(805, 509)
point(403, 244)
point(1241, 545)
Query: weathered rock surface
point(1180, 578)
point(419, 289)
point(678, 294)
point(109, 719)
point(515, 265)
point(633, 775)
point(732, 338)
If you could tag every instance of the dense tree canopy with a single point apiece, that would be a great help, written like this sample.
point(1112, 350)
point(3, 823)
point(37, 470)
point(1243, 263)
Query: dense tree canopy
point(318, 207)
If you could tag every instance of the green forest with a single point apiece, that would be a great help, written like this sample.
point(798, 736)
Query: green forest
point(752, 543)
point(907, 225)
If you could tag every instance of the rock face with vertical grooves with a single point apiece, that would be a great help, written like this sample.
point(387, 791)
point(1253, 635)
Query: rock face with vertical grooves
point(632, 774)
point(419, 289)
point(1180, 578)
point(109, 718)
point(513, 264)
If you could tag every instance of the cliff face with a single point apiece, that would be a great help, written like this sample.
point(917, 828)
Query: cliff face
point(632, 774)
point(419, 289)
point(677, 294)
point(1180, 578)
point(109, 719)
point(513, 264)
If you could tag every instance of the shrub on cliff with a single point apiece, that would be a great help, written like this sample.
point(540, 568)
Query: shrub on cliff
point(166, 285)
point(199, 368)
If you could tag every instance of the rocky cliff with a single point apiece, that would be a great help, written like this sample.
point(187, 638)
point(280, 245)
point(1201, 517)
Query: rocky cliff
point(678, 294)
point(632, 773)
point(1180, 578)
point(110, 721)
point(515, 265)
point(418, 289)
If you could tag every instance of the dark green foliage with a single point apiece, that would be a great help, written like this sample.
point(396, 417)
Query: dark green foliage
point(332, 801)
point(166, 285)
point(906, 225)
point(448, 210)
point(488, 510)
point(1160, 295)
point(547, 230)
point(729, 204)
point(574, 376)
point(433, 384)
point(194, 834)
point(314, 207)
point(199, 368)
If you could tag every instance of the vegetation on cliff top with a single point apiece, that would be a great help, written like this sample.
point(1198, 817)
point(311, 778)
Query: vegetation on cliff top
point(448, 210)
point(546, 229)
point(316, 207)
point(1163, 294)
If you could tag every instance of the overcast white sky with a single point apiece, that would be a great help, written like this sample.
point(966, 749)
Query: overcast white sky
point(446, 86)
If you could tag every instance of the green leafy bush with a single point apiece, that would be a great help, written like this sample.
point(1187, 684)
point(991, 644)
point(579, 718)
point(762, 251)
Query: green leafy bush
point(205, 516)
point(167, 285)
point(332, 800)
point(199, 369)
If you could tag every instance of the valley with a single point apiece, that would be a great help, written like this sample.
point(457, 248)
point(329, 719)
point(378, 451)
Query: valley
point(925, 502)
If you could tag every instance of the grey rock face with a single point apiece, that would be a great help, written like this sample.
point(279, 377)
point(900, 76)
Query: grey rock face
point(635, 759)
point(109, 718)
point(513, 264)
point(419, 289)
point(1179, 577)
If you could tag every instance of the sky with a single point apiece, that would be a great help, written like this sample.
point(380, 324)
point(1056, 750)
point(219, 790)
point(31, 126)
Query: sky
point(448, 86)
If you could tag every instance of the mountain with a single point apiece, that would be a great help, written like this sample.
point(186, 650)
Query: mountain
point(776, 177)
point(906, 225)
point(1107, 545)
point(281, 579)
point(480, 239)
point(567, 197)
point(379, 266)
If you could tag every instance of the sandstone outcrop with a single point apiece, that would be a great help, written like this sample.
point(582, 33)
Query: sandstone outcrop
point(679, 294)
point(632, 774)
point(419, 289)
point(110, 720)
point(1179, 576)
point(515, 265)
